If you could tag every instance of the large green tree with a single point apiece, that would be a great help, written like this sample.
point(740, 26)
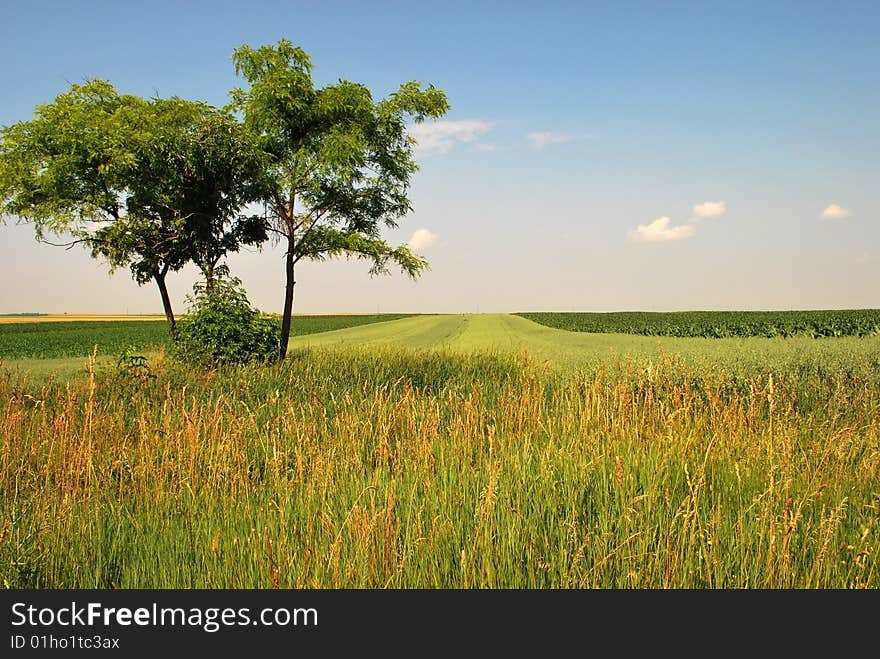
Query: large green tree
point(145, 184)
point(338, 164)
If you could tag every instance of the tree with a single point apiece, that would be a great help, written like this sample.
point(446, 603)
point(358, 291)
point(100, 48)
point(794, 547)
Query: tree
point(148, 185)
point(337, 164)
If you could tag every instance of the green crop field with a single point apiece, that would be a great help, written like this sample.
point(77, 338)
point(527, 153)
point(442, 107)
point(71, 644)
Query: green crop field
point(453, 451)
point(715, 324)
point(42, 340)
point(575, 351)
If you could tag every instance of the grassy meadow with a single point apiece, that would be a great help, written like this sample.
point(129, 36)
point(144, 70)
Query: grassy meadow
point(451, 451)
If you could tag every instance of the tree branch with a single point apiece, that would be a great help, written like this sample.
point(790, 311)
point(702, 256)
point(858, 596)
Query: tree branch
point(308, 230)
point(73, 243)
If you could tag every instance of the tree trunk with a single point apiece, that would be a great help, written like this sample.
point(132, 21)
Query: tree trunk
point(159, 276)
point(208, 272)
point(289, 283)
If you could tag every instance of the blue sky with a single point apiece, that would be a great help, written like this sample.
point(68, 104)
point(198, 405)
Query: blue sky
point(598, 156)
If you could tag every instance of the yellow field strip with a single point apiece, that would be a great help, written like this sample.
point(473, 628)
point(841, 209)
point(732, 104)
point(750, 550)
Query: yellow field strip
point(61, 318)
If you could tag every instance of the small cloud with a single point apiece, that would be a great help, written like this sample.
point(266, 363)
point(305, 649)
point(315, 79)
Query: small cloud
point(708, 209)
point(544, 138)
point(660, 231)
point(442, 136)
point(484, 146)
point(421, 239)
point(835, 212)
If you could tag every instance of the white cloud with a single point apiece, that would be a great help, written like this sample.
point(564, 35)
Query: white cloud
point(835, 212)
point(709, 209)
point(543, 138)
point(421, 239)
point(441, 136)
point(660, 231)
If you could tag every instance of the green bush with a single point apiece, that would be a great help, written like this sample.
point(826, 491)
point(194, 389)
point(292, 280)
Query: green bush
point(223, 328)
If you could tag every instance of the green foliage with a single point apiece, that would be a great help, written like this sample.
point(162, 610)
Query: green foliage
point(336, 159)
point(191, 173)
point(68, 165)
point(223, 328)
point(718, 324)
point(323, 243)
point(132, 366)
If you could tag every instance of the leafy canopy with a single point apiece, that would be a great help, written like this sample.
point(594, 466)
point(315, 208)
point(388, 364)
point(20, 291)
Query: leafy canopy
point(71, 163)
point(338, 164)
point(148, 184)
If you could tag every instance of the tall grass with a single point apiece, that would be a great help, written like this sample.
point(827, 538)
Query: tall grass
point(393, 468)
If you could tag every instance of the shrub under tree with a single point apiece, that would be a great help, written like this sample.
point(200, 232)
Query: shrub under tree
point(223, 328)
